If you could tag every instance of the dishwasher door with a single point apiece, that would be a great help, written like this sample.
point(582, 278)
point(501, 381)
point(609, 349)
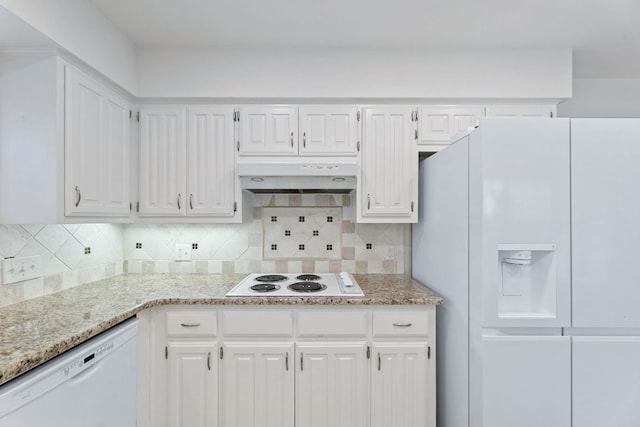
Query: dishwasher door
point(92, 385)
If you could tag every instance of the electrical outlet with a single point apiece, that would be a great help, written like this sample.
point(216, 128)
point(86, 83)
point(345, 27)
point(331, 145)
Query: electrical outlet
point(183, 252)
point(19, 269)
point(389, 253)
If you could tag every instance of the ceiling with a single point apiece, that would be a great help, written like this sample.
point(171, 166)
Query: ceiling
point(605, 34)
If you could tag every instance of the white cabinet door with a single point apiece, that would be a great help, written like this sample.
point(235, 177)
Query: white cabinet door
point(399, 385)
point(193, 384)
point(604, 222)
point(526, 382)
point(328, 130)
point(606, 374)
point(520, 111)
point(162, 161)
point(331, 384)
point(210, 161)
point(268, 130)
point(438, 123)
point(96, 148)
point(388, 189)
point(257, 387)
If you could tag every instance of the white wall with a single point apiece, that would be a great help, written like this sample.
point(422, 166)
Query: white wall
point(372, 73)
point(603, 98)
point(80, 28)
point(28, 138)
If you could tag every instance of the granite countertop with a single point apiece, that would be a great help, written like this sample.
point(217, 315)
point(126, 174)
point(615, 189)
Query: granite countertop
point(37, 330)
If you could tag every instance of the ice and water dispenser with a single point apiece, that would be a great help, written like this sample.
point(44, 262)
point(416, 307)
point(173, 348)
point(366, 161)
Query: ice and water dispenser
point(527, 288)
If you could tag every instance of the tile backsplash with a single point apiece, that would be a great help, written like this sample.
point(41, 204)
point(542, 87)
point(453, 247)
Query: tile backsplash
point(246, 247)
point(71, 254)
point(324, 241)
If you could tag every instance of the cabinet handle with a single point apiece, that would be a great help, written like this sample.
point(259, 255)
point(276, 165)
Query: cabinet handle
point(304, 139)
point(286, 361)
point(238, 145)
point(291, 139)
point(368, 201)
point(358, 146)
point(411, 206)
point(79, 194)
point(189, 325)
point(379, 362)
point(179, 199)
point(209, 361)
point(302, 361)
point(191, 201)
point(402, 325)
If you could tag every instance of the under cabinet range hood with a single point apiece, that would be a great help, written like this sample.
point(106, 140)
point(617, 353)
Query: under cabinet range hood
point(298, 175)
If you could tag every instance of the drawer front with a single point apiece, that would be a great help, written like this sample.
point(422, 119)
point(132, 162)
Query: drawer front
point(332, 324)
point(191, 323)
point(400, 323)
point(265, 323)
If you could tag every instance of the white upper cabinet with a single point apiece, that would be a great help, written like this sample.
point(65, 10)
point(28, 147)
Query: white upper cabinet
point(162, 172)
point(388, 188)
point(329, 130)
point(187, 162)
point(96, 148)
point(210, 160)
point(267, 130)
point(520, 111)
point(438, 123)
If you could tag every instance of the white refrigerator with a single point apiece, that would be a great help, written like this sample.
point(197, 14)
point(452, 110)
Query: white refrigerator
point(530, 231)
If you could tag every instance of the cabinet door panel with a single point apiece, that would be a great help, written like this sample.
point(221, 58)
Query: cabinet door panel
point(331, 384)
point(193, 384)
point(257, 388)
point(399, 391)
point(162, 161)
point(389, 166)
point(328, 130)
point(526, 381)
point(96, 148)
point(268, 131)
point(437, 124)
point(210, 161)
point(606, 374)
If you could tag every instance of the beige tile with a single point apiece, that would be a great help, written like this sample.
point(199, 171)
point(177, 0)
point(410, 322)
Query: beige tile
point(348, 227)
point(322, 200)
point(349, 266)
point(349, 253)
point(228, 267)
point(282, 266)
point(214, 266)
point(335, 266)
point(308, 267)
point(53, 283)
point(362, 267)
point(295, 200)
point(346, 200)
point(322, 266)
point(148, 267)
point(202, 267)
point(389, 266)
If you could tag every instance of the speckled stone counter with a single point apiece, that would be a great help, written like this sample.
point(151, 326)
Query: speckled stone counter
point(37, 330)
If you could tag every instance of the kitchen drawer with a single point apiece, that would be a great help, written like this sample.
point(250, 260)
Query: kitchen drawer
point(400, 323)
point(265, 323)
point(191, 323)
point(332, 323)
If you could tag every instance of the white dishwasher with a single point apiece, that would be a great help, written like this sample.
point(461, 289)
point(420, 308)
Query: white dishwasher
point(91, 385)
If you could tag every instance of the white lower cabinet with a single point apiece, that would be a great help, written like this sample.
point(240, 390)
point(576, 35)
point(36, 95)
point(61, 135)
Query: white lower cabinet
point(193, 384)
point(399, 385)
point(262, 366)
point(257, 384)
point(331, 384)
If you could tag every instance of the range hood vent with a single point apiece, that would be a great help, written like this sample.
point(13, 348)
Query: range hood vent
point(298, 176)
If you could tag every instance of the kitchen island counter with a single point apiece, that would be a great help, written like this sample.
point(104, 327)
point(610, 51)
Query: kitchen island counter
point(39, 329)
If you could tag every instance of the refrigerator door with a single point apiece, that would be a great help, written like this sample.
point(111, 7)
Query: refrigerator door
point(526, 382)
point(606, 374)
point(519, 174)
point(440, 260)
point(605, 154)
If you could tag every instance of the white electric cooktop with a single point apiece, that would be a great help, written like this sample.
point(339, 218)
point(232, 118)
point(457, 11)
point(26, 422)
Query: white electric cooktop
point(297, 285)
